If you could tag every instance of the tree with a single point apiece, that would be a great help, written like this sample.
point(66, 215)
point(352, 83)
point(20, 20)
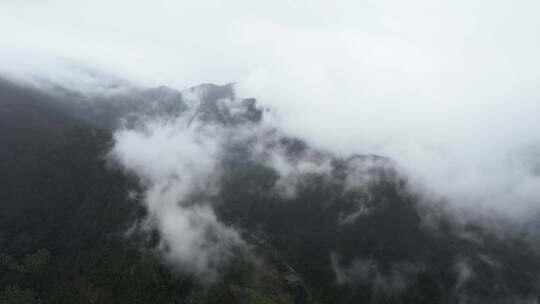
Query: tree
point(16, 295)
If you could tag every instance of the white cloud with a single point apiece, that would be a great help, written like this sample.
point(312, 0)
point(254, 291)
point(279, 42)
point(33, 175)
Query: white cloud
point(175, 161)
point(448, 89)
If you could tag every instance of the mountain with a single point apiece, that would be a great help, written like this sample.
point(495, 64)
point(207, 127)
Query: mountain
point(127, 105)
point(315, 227)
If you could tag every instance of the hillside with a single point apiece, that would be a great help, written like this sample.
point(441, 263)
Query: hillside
point(80, 226)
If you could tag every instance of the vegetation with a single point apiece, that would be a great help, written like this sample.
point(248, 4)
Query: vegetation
point(64, 214)
point(16, 295)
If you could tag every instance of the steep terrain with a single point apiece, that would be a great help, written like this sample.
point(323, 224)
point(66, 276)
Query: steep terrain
point(313, 226)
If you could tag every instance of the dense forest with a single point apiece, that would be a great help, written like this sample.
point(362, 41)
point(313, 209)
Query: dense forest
point(66, 211)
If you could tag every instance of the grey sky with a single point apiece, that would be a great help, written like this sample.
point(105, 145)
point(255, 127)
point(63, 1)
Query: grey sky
point(450, 89)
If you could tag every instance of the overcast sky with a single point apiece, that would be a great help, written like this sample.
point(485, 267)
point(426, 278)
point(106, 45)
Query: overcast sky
point(450, 89)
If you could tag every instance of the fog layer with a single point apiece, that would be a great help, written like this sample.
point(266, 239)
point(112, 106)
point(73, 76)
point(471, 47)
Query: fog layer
point(449, 90)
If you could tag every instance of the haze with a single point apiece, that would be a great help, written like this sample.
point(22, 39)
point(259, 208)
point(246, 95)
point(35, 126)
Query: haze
point(447, 89)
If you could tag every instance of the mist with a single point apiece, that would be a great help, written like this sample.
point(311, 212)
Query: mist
point(174, 162)
point(448, 90)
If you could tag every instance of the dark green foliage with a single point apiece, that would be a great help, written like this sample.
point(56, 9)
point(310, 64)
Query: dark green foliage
point(33, 263)
point(16, 295)
point(36, 262)
point(308, 228)
point(63, 217)
point(250, 296)
point(64, 214)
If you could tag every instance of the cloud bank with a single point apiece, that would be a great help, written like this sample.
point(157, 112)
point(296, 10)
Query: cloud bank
point(447, 89)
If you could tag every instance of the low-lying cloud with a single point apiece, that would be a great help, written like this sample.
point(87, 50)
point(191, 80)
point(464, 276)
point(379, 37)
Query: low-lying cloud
point(175, 161)
point(448, 90)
